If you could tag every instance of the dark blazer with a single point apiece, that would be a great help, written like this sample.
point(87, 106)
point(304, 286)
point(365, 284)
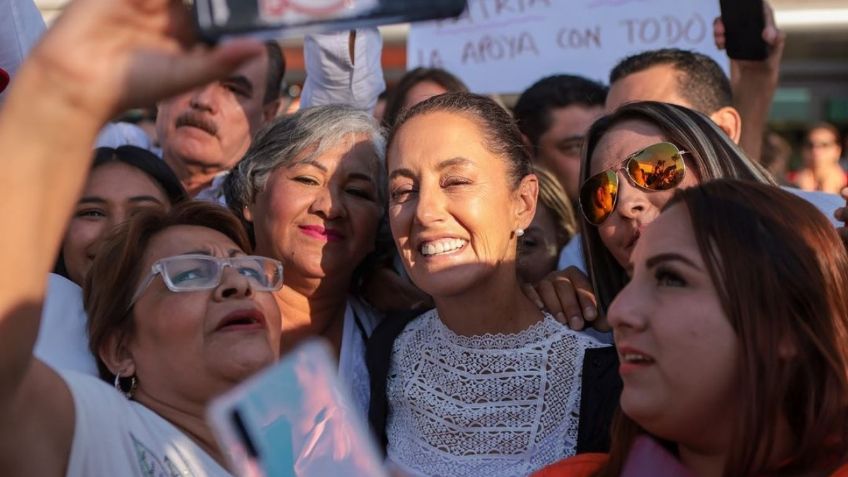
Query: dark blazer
point(600, 387)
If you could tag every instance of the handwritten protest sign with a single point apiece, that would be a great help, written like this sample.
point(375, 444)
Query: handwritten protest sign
point(504, 46)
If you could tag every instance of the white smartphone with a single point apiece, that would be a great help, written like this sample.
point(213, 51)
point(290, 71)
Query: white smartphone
point(295, 420)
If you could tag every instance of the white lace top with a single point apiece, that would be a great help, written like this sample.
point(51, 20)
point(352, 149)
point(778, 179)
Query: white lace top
point(490, 405)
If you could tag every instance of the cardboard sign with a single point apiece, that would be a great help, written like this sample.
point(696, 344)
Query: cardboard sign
point(504, 46)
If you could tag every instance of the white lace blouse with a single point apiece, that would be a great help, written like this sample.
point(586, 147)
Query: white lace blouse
point(490, 405)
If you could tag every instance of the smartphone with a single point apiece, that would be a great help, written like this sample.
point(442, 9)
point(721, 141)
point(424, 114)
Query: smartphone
point(295, 420)
point(274, 19)
point(743, 26)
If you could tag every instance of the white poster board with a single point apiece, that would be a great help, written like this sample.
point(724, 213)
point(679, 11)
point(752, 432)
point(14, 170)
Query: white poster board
point(504, 46)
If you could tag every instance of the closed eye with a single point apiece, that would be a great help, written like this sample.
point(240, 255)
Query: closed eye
point(308, 180)
point(453, 181)
point(90, 213)
point(401, 194)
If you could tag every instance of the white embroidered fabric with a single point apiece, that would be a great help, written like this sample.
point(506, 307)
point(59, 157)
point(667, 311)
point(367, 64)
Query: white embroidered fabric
point(490, 405)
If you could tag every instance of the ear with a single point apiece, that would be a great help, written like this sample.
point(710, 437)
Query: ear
point(269, 110)
point(728, 119)
point(248, 213)
point(116, 355)
point(526, 196)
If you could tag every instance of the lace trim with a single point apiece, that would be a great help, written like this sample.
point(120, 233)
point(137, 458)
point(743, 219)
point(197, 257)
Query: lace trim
point(534, 333)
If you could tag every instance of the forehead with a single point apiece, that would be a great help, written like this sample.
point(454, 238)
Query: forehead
point(821, 133)
point(355, 151)
point(621, 141)
point(116, 180)
point(671, 232)
point(428, 139)
point(572, 120)
point(657, 83)
point(182, 239)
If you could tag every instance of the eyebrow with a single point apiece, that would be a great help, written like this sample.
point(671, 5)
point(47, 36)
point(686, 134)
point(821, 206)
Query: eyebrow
point(241, 81)
point(137, 198)
point(231, 253)
point(447, 163)
point(323, 168)
point(669, 257)
point(577, 137)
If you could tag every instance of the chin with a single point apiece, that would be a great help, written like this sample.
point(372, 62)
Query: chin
point(449, 282)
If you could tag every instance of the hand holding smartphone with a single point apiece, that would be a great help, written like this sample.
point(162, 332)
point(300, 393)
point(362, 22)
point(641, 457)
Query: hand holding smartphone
point(273, 19)
point(744, 23)
point(295, 420)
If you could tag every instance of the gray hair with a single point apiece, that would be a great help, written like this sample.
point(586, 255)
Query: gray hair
point(304, 135)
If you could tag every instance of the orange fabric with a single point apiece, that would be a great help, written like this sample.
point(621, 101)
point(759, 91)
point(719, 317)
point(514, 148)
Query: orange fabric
point(841, 472)
point(583, 465)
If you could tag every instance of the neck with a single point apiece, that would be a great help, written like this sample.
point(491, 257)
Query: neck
point(312, 307)
point(194, 177)
point(497, 305)
point(189, 418)
point(703, 464)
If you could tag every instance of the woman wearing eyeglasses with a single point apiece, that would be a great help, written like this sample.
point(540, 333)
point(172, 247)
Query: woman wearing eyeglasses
point(485, 384)
point(733, 338)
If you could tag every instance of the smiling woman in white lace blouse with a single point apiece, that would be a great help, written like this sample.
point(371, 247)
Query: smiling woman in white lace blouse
point(485, 384)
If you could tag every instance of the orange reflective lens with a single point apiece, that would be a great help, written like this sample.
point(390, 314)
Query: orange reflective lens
point(657, 167)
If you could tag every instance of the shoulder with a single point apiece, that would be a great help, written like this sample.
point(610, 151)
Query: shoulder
point(582, 465)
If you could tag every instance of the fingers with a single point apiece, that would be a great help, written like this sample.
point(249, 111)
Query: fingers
point(560, 299)
point(584, 291)
point(530, 292)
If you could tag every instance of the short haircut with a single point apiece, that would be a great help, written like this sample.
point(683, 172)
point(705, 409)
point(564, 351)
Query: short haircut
point(118, 267)
point(309, 132)
point(701, 81)
point(276, 71)
point(533, 109)
point(500, 133)
point(397, 95)
point(710, 155)
point(827, 127)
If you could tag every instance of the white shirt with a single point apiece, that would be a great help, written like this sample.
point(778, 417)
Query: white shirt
point(62, 338)
point(359, 322)
point(114, 436)
point(21, 26)
point(490, 405)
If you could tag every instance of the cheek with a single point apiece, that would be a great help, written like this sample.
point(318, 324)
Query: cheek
point(81, 236)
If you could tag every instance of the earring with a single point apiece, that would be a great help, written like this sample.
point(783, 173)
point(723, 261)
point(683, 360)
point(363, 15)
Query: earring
point(519, 232)
point(133, 384)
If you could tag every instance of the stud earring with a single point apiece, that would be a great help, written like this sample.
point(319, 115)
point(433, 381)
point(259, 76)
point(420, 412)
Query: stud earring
point(519, 232)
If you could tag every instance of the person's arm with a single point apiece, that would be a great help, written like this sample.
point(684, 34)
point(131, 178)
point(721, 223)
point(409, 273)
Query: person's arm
point(125, 53)
point(754, 83)
point(343, 68)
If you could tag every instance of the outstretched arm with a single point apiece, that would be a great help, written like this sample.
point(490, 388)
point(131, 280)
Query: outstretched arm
point(101, 57)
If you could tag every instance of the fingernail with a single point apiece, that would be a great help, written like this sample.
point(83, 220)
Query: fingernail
point(540, 305)
point(590, 313)
point(560, 317)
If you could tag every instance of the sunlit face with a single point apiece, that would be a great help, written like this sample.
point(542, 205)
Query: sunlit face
point(453, 208)
point(559, 147)
point(636, 207)
point(114, 192)
point(821, 148)
point(319, 216)
point(422, 91)
point(657, 83)
point(196, 344)
point(679, 354)
point(539, 247)
point(211, 127)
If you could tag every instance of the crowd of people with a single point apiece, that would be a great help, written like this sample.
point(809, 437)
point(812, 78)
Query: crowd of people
point(604, 280)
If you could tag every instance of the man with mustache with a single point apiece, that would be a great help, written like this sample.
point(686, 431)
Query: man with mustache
point(207, 130)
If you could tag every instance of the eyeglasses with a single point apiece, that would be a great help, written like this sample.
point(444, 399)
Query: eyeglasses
point(655, 168)
point(187, 273)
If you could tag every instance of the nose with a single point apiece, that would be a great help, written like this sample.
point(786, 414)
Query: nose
point(633, 202)
point(328, 203)
point(205, 98)
point(430, 205)
point(233, 285)
point(627, 312)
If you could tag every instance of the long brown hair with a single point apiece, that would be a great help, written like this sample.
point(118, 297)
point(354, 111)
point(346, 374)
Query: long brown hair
point(781, 274)
point(117, 269)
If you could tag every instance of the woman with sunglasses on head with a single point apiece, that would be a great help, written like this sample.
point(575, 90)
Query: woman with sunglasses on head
point(633, 161)
point(737, 289)
point(121, 182)
point(485, 384)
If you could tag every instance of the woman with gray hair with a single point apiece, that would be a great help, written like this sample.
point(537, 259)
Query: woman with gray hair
point(311, 189)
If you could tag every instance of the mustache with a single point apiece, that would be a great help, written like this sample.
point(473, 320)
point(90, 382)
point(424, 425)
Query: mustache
point(197, 121)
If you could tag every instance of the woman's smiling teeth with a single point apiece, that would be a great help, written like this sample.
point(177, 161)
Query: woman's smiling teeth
point(442, 246)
